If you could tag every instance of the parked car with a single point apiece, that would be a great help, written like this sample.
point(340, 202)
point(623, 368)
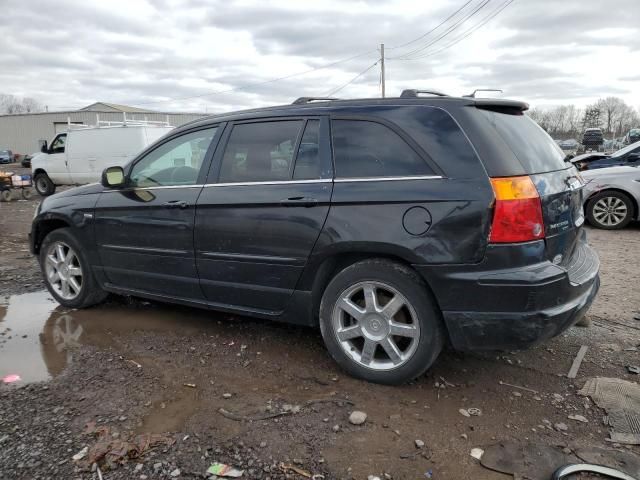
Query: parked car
point(629, 155)
point(592, 138)
point(612, 196)
point(78, 156)
point(632, 136)
point(569, 145)
point(6, 156)
point(397, 226)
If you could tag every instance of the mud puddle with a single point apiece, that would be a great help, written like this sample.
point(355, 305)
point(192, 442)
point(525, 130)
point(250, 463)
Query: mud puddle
point(38, 336)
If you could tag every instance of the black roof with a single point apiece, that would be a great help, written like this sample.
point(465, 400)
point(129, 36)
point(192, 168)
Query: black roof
point(329, 106)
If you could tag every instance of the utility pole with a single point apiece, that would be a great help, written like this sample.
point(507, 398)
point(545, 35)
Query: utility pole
point(382, 69)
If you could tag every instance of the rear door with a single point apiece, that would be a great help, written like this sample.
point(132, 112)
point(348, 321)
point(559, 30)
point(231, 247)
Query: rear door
point(261, 212)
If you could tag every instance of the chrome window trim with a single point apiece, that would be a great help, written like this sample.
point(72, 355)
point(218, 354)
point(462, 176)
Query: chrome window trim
point(163, 187)
point(272, 182)
point(387, 179)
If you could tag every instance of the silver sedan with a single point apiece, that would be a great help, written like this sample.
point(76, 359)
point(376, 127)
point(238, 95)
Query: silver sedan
point(612, 196)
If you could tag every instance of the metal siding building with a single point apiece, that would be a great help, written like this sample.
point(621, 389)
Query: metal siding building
point(21, 132)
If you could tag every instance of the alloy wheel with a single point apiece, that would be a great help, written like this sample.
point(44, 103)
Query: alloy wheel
point(63, 270)
point(375, 325)
point(610, 211)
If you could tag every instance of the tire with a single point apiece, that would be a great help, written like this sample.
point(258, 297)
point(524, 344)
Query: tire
point(6, 196)
point(610, 210)
point(44, 185)
point(27, 193)
point(418, 323)
point(58, 268)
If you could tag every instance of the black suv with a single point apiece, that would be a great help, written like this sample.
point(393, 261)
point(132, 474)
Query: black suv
point(397, 225)
point(592, 138)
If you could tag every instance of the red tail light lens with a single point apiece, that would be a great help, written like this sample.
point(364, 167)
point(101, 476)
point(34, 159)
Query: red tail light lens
point(518, 211)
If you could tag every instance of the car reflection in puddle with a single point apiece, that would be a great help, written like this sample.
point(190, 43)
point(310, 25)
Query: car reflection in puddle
point(38, 336)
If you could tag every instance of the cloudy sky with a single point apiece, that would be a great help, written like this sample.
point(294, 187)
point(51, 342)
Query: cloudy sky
point(217, 55)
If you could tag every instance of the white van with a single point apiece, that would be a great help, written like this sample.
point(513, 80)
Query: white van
point(81, 154)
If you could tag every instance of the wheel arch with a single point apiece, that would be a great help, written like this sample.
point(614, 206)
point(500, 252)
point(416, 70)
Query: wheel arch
point(634, 202)
point(45, 227)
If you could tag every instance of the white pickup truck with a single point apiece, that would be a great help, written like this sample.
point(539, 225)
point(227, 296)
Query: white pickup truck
point(81, 154)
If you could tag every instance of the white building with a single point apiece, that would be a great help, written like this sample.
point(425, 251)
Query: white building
point(21, 132)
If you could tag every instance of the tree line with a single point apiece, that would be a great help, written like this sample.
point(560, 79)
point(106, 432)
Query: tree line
point(611, 114)
point(12, 104)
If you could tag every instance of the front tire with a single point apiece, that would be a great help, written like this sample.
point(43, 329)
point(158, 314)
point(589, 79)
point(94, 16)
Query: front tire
point(610, 210)
point(66, 270)
point(380, 323)
point(44, 185)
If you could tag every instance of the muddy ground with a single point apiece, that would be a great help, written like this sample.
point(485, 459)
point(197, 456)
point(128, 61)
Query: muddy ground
point(131, 368)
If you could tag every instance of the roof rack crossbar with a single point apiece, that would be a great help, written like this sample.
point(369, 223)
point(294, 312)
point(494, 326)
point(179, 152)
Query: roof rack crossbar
point(413, 93)
point(303, 100)
point(473, 94)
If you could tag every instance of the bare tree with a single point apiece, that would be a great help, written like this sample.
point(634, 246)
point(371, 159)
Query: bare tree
point(11, 104)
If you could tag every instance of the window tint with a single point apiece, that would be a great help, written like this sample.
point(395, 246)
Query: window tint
point(369, 149)
point(258, 152)
point(532, 146)
point(308, 161)
point(177, 162)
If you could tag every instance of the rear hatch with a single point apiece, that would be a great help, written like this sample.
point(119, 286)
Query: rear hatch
point(534, 154)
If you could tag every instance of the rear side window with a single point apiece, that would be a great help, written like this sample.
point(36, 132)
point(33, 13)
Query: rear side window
point(258, 152)
point(308, 161)
point(369, 149)
point(532, 146)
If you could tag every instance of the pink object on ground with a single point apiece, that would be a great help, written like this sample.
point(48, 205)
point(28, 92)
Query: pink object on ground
point(11, 378)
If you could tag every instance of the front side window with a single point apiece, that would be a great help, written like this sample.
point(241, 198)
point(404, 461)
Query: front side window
point(258, 152)
point(369, 149)
point(176, 162)
point(57, 146)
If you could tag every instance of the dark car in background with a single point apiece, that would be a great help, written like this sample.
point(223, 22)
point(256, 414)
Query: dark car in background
point(396, 225)
point(632, 136)
point(592, 138)
point(629, 155)
point(6, 156)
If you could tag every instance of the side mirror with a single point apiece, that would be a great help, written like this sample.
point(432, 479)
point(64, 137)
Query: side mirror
point(43, 146)
point(113, 177)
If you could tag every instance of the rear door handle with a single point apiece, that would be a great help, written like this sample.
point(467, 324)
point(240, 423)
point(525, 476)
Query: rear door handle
point(175, 204)
point(299, 202)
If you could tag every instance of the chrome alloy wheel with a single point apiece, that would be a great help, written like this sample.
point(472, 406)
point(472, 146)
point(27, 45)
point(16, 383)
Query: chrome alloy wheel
point(610, 211)
point(375, 325)
point(63, 271)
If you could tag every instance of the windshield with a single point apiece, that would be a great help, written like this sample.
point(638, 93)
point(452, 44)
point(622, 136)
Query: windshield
point(627, 149)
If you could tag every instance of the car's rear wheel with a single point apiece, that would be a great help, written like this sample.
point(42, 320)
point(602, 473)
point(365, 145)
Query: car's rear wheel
point(379, 322)
point(67, 273)
point(44, 185)
point(610, 210)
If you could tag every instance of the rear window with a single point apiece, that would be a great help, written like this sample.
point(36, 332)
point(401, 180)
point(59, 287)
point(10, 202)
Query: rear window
point(532, 146)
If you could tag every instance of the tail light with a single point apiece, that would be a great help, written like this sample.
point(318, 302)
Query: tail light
point(518, 211)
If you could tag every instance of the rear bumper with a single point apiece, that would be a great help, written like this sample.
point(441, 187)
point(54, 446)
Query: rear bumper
point(499, 309)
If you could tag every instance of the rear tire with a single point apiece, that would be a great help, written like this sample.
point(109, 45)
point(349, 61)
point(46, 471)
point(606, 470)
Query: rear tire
point(380, 323)
point(44, 185)
point(27, 193)
point(67, 272)
point(610, 210)
point(6, 196)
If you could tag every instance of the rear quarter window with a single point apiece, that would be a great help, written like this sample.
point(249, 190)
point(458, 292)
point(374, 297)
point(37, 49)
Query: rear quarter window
point(532, 146)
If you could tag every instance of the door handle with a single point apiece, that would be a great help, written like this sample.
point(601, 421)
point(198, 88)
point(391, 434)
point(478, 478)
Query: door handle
point(175, 204)
point(299, 202)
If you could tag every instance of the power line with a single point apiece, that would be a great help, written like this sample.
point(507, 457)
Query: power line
point(336, 90)
point(466, 33)
point(449, 30)
point(249, 85)
point(433, 29)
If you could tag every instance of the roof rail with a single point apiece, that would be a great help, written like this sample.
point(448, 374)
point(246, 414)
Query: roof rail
point(473, 94)
point(413, 93)
point(303, 100)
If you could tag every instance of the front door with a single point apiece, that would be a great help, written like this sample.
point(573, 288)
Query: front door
point(57, 167)
point(144, 232)
point(262, 211)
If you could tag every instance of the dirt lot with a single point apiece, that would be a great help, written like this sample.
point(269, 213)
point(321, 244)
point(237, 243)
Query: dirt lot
point(130, 369)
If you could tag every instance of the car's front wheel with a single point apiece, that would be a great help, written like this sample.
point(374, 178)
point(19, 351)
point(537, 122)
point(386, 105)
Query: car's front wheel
point(379, 322)
point(44, 185)
point(610, 210)
point(67, 273)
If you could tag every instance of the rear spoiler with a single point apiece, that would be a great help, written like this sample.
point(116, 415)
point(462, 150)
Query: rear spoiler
point(501, 105)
